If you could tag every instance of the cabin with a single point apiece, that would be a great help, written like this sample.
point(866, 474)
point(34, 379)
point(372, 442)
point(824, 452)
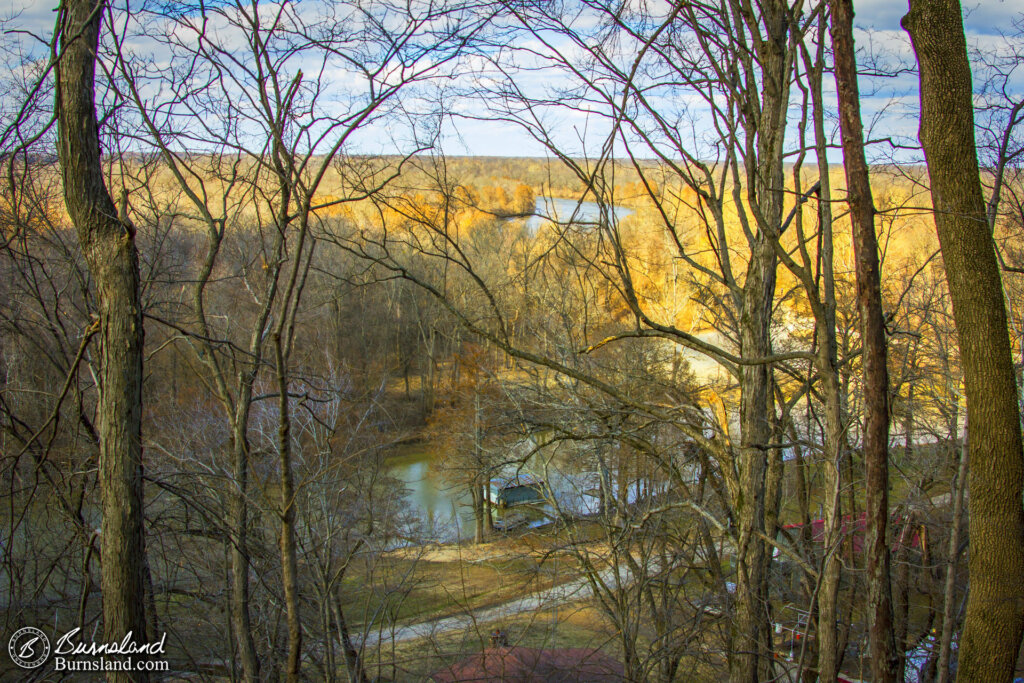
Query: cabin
point(519, 490)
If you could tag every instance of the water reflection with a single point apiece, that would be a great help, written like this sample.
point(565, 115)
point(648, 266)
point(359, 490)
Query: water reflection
point(565, 210)
point(440, 510)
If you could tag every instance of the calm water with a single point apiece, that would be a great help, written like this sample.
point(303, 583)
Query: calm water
point(565, 210)
point(444, 510)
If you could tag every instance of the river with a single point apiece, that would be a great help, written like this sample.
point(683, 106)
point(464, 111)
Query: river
point(550, 209)
point(443, 510)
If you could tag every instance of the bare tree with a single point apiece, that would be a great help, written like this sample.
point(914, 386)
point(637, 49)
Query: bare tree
point(107, 239)
point(270, 136)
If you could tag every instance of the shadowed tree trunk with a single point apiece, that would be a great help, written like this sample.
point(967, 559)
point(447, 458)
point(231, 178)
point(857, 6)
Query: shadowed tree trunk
point(107, 240)
point(289, 550)
point(750, 625)
point(239, 511)
point(876, 375)
point(995, 606)
point(952, 556)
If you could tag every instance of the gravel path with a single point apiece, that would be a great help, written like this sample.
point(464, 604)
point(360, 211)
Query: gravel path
point(577, 589)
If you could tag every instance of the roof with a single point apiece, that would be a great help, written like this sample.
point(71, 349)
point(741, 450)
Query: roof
point(857, 528)
point(521, 479)
point(532, 665)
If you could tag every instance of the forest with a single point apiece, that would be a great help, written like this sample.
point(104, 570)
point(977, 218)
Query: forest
point(511, 340)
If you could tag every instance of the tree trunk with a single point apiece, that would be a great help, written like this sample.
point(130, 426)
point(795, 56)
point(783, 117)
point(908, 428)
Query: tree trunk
point(353, 659)
point(488, 507)
point(478, 512)
point(952, 557)
point(876, 374)
point(108, 244)
point(751, 657)
point(826, 644)
point(289, 555)
point(994, 623)
point(480, 483)
point(829, 654)
point(901, 593)
point(751, 622)
point(239, 509)
point(908, 419)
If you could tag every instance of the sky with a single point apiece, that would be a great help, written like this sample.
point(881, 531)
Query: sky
point(889, 104)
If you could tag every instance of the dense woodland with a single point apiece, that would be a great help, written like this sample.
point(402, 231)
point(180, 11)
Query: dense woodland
point(782, 350)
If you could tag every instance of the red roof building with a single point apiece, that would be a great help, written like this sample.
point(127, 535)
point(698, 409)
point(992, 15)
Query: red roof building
point(532, 665)
point(856, 530)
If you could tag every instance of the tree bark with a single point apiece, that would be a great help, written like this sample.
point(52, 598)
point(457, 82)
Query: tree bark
point(876, 375)
point(289, 552)
point(108, 244)
point(240, 542)
point(751, 657)
point(994, 623)
point(952, 558)
point(826, 643)
point(353, 657)
point(751, 627)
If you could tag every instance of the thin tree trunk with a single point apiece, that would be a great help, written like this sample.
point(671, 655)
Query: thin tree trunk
point(353, 660)
point(479, 485)
point(330, 663)
point(289, 557)
point(908, 419)
point(876, 374)
point(901, 594)
point(478, 512)
point(488, 507)
point(108, 244)
point(994, 624)
point(829, 652)
point(952, 557)
point(772, 507)
point(239, 510)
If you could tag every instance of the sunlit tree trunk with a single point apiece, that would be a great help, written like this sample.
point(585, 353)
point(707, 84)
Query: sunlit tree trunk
point(995, 607)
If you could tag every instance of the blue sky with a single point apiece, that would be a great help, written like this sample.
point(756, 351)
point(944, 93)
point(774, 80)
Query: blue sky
point(889, 104)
